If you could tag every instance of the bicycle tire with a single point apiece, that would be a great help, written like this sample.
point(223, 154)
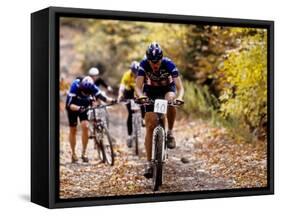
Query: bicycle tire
point(157, 176)
point(109, 158)
point(137, 143)
point(159, 141)
point(100, 150)
point(135, 129)
point(101, 154)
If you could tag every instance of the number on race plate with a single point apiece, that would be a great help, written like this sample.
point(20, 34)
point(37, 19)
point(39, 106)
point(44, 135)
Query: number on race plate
point(160, 106)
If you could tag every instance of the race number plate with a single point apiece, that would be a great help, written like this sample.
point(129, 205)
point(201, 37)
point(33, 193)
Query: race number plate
point(160, 106)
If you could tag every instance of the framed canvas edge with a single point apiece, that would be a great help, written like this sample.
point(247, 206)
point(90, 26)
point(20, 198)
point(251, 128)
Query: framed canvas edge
point(54, 202)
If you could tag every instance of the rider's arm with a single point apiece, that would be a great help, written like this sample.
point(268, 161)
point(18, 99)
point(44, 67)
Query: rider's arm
point(99, 95)
point(140, 79)
point(139, 86)
point(179, 87)
point(121, 91)
point(71, 96)
point(103, 97)
point(101, 82)
point(70, 102)
point(176, 77)
point(74, 107)
point(123, 83)
point(96, 92)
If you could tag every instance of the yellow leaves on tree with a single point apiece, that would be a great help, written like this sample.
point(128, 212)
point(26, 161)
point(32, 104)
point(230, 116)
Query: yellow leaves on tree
point(244, 79)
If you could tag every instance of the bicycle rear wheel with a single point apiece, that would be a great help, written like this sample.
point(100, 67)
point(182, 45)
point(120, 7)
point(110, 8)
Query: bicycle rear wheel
point(107, 147)
point(137, 143)
point(136, 132)
point(158, 142)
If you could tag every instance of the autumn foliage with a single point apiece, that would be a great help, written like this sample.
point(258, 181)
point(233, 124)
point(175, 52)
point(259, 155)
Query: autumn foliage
point(224, 68)
point(221, 130)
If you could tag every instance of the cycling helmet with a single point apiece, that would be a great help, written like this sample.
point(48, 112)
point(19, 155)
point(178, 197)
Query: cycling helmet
point(93, 71)
point(154, 52)
point(135, 67)
point(86, 85)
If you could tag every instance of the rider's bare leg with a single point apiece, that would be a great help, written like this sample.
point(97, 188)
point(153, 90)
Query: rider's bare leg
point(171, 112)
point(72, 140)
point(85, 128)
point(150, 122)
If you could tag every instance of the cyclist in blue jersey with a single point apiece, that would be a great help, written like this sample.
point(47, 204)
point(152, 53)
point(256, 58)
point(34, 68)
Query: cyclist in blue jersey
point(81, 94)
point(158, 78)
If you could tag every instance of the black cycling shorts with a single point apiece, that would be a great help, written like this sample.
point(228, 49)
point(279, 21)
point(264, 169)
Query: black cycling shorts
point(73, 116)
point(157, 92)
point(129, 94)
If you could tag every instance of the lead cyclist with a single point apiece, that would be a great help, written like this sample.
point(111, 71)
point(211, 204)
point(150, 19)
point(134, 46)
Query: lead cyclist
point(158, 78)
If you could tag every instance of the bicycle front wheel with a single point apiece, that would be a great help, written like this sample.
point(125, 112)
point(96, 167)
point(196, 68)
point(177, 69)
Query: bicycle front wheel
point(100, 152)
point(99, 146)
point(158, 142)
point(107, 147)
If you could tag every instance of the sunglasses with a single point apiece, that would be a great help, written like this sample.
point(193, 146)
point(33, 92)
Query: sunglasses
point(155, 62)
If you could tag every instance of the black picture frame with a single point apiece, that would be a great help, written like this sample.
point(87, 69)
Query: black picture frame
point(45, 100)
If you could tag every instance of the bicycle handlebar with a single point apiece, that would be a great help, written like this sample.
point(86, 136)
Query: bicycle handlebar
point(149, 101)
point(126, 101)
point(100, 106)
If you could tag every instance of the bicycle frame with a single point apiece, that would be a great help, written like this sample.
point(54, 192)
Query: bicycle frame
point(96, 122)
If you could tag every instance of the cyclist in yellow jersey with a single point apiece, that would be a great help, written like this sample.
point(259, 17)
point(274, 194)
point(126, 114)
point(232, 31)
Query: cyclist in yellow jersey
point(127, 91)
point(128, 82)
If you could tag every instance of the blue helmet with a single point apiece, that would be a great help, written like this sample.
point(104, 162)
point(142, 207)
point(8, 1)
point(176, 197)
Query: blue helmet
point(87, 85)
point(154, 52)
point(135, 67)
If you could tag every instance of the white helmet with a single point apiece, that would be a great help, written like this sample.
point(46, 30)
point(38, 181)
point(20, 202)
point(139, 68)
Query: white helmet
point(93, 71)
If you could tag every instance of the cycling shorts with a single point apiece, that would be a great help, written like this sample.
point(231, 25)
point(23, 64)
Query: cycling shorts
point(129, 94)
point(74, 115)
point(157, 92)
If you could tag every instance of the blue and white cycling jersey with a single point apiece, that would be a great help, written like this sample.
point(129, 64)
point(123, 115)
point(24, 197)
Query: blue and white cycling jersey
point(163, 77)
point(75, 96)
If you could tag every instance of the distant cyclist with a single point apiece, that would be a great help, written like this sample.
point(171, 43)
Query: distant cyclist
point(81, 94)
point(94, 73)
point(158, 78)
point(127, 91)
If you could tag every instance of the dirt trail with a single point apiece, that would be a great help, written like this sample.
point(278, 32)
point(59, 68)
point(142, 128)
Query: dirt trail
point(126, 176)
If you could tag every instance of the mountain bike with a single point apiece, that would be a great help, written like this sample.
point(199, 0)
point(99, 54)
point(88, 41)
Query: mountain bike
point(159, 142)
point(98, 129)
